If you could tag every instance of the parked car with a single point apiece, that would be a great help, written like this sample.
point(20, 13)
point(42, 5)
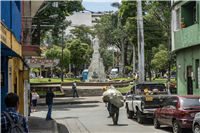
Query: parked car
point(196, 124)
point(177, 112)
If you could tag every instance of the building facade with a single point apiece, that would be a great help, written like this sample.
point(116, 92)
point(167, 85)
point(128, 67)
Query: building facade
point(12, 72)
point(186, 44)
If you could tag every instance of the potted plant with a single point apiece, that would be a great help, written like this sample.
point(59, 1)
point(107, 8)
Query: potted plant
point(182, 23)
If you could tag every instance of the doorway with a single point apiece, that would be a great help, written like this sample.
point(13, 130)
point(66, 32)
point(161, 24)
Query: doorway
point(189, 81)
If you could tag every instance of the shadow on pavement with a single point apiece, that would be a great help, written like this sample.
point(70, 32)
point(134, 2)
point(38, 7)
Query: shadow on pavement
point(66, 107)
point(62, 128)
point(40, 124)
point(118, 125)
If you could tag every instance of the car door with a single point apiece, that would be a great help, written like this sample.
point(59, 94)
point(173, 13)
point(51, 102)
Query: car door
point(162, 115)
point(169, 114)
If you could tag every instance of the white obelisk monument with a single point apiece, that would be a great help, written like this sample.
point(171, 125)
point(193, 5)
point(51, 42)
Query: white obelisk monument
point(96, 68)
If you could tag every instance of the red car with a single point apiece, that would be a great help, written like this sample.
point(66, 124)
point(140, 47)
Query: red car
point(177, 112)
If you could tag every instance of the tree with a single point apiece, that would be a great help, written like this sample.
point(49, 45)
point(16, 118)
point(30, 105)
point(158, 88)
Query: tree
point(65, 8)
point(110, 31)
point(56, 53)
point(107, 56)
point(83, 33)
point(77, 52)
point(160, 61)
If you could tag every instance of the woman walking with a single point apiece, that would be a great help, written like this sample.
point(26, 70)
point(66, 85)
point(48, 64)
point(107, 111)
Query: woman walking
point(34, 100)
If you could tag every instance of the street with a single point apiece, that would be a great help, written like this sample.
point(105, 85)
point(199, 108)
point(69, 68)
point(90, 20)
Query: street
point(92, 118)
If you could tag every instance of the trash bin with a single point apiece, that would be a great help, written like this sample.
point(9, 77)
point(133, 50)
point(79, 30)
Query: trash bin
point(85, 74)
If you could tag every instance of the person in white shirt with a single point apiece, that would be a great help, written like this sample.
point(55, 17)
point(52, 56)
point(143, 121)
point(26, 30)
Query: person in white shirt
point(75, 90)
point(34, 100)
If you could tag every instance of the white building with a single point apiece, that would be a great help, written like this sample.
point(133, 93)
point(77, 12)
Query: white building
point(87, 19)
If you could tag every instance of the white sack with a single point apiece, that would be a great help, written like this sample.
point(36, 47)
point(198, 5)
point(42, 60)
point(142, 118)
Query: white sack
point(114, 97)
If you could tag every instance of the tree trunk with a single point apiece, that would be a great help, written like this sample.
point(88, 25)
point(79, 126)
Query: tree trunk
point(75, 71)
point(169, 43)
point(125, 55)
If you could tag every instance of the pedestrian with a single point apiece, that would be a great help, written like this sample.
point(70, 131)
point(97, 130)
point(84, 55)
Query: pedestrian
point(129, 92)
point(114, 114)
point(49, 101)
point(168, 86)
point(11, 120)
point(75, 90)
point(35, 96)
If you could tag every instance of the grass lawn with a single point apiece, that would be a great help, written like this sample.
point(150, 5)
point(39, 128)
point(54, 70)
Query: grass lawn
point(44, 92)
point(162, 80)
point(124, 89)
point(53, 80)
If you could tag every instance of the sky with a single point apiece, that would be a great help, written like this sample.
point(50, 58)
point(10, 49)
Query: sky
point(99, 5)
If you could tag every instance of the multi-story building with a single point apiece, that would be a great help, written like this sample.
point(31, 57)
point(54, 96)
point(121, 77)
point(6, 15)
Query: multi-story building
point(186, 44)
point(14, 71)
point(86, 18)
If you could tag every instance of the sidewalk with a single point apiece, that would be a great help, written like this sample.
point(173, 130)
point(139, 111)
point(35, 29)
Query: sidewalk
point(71, 100)
point(40, 125)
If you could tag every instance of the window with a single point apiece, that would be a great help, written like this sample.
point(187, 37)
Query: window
point(167, 103)
point(197, 74)
point(178, 19)
point(174, 103)
point(188, 12)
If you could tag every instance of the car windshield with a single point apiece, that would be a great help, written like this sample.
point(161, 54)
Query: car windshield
point(113, 72)
point(190, 102)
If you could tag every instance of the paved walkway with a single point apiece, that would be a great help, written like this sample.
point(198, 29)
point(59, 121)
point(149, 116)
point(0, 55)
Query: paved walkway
point(83, 87)
point(71, 100)
point(40, 125)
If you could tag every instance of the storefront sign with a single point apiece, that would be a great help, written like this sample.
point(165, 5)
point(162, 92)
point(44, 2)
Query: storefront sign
point(42, 61)
point(2, 79)
point(5, 35)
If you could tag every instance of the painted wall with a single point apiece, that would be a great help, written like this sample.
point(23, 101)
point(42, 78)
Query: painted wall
point(11, 16)
point(186, 58)
point(4, 90)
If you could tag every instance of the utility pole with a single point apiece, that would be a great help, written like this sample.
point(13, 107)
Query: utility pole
point(140, 41)
point(113, 58)
point(133, 59)
point(62, 58)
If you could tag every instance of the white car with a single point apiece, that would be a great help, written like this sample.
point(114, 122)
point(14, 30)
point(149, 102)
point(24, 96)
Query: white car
point(196, 124)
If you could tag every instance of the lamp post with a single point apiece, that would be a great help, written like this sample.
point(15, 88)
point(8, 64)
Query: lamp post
point(62, 57)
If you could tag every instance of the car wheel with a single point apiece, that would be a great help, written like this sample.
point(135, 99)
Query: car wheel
point(176, 127)
point(139, 117)
point(196, 129)
point(129, 113)
point(156, 123)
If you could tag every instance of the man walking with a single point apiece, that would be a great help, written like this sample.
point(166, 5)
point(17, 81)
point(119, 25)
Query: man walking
point(11, 120)
point(49, 101)
point(114, 114)
point(75, 90)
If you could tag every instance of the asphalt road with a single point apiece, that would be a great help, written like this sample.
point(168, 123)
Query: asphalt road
point(92, 118)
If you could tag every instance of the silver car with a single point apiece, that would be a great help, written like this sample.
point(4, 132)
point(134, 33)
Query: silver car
point(196, 124)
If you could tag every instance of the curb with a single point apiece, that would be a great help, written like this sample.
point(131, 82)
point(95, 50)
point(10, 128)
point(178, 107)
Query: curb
point(56, 127)
point(76, 102)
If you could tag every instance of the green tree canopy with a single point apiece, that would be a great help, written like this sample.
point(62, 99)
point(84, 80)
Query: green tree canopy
point(160, 60)
point(56, 53)
point(77, 52)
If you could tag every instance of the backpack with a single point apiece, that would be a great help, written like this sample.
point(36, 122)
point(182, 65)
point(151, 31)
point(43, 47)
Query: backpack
point(73, 87)
point(15, 128)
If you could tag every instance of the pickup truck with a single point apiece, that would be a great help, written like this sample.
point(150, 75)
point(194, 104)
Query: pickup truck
point(146, 98)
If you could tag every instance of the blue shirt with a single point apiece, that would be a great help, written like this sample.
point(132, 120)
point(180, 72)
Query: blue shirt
point(5, 124)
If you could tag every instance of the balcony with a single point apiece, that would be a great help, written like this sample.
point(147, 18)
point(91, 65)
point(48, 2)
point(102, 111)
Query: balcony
point(187, 37)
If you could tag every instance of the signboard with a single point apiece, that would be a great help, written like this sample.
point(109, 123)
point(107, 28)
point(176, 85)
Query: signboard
point(42, 61)
point(5, 35)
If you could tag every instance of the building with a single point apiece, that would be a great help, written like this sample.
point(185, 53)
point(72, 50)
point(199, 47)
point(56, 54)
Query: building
point(186, 44)
point(14, 71)
point(86, 18)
